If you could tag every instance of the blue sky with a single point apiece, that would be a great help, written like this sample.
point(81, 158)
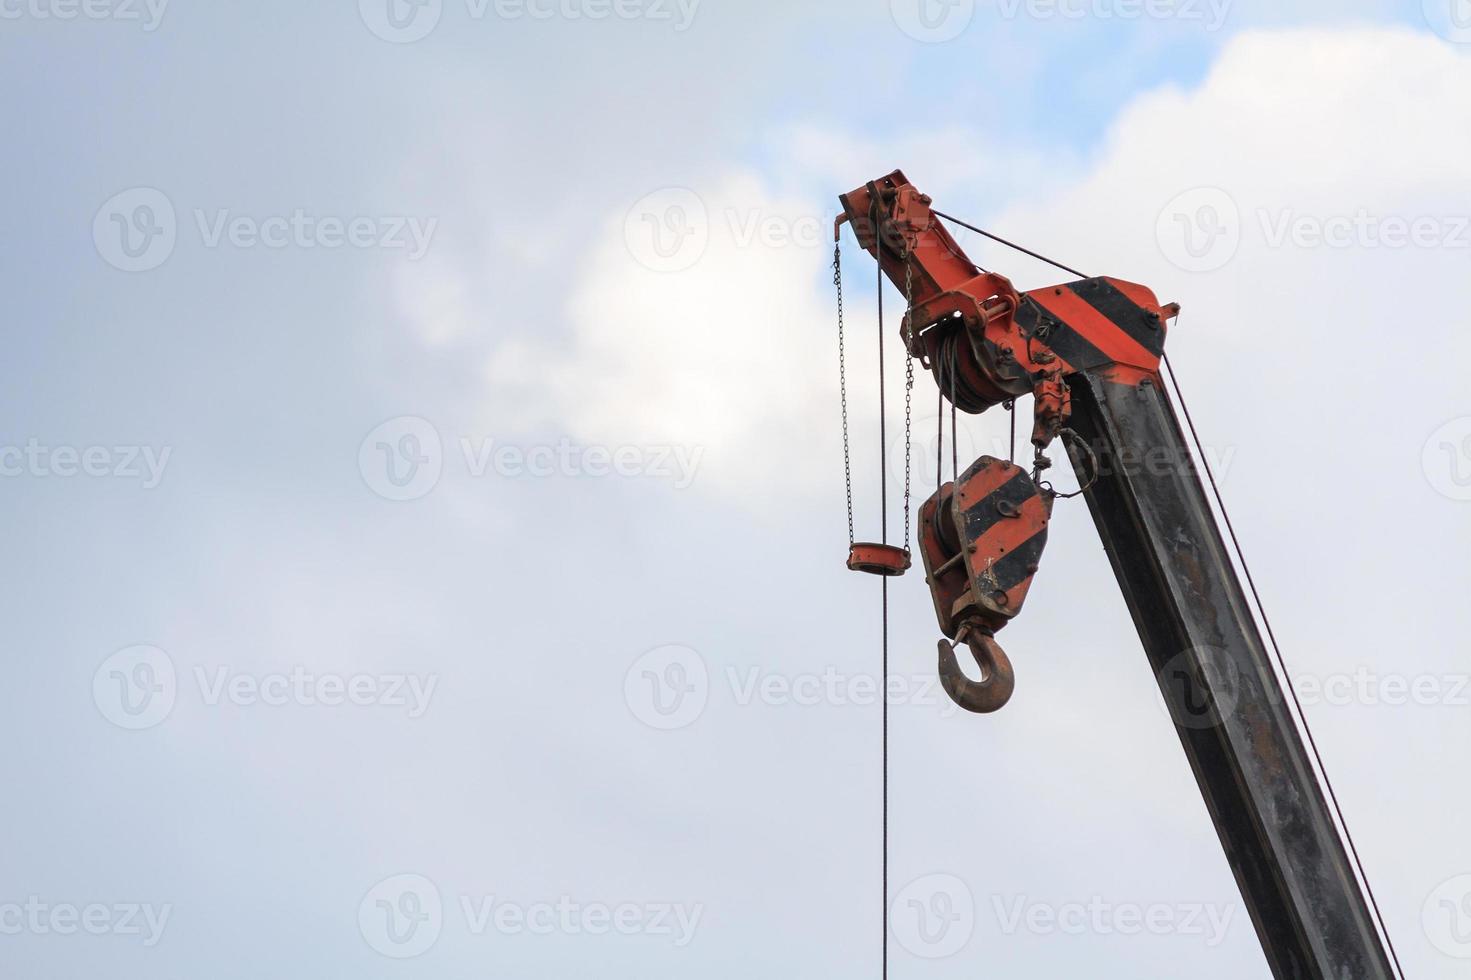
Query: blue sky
point(499, 485)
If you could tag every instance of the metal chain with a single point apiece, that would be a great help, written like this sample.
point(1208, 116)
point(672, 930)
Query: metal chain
point(843, 385)
point(908, 390)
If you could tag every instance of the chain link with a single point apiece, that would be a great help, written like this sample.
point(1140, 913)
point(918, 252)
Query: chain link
point(843, 385)
point(908, 389)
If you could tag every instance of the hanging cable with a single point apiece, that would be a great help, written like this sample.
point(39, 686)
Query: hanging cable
point(884, 675)
point(843, 386)
point(998, 238)
point(1382, 926)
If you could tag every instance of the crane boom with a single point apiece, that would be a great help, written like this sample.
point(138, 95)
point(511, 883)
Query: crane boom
point(1089, 352)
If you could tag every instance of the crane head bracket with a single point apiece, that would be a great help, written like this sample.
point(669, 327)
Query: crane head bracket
point(986, 342)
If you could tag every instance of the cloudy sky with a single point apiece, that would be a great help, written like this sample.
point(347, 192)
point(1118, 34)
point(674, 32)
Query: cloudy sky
point(419, 461)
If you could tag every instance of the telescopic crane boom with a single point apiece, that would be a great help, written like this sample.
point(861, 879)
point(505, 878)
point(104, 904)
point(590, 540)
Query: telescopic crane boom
point(1089, 352)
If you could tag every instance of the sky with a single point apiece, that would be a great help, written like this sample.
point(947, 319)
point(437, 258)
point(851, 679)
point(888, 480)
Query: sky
point(420, 462)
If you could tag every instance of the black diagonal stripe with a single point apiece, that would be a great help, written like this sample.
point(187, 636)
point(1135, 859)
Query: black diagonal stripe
point(1013, 569)
point(1125, 314)
point(983, 514)
point(1060, 338)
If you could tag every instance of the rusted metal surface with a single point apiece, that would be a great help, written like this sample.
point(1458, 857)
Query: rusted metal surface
point(877, 559)
point(1090, 351)
point(1213, 669)
point(977, 333)
point(997, 682)
point(981, 539)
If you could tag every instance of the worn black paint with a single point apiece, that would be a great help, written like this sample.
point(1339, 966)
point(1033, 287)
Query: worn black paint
point(1208, 656)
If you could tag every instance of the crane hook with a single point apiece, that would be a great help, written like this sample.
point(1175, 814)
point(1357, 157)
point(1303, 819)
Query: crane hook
point(994, 690)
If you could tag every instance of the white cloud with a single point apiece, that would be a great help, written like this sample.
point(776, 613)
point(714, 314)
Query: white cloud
point(735, 352)
point(731, 351)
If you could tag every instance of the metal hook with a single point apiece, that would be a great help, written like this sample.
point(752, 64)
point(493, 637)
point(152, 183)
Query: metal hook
point(983, 696)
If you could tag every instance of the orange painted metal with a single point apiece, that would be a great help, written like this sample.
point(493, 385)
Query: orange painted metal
point(982, 338)
point(878, 559)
